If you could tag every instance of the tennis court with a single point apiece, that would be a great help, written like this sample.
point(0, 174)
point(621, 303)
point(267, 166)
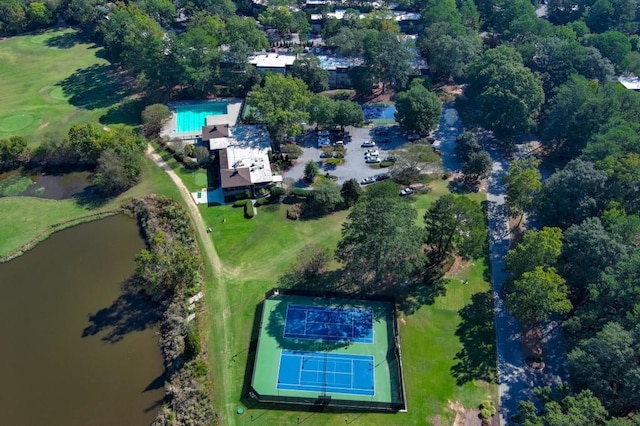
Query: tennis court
point(329, 323)
point(326, 372)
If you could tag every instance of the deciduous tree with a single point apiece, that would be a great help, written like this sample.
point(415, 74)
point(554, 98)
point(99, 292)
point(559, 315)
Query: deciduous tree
point(537, 249)
point(523, 182)
point(418, 110)
point(537, 295)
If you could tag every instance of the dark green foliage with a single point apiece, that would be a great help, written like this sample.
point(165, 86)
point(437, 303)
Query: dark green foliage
point(308, 69)
point(262, 201)
point(613, 45)
point(154, 117)
point(351, 192)
point(326, 196)
point(276, 192)
point(192, 346)
point(311, 170)
point(478, 166)
point(241, 203)
point(418, 109)
point(503, 94)
point(467, 144)
point(13, 151)
point(17, 16)
point(249, 210)
point(301, 192)
point(537, 248)
point(380, 243)
point(455, 223)
point(523, 181)
point(587, 251)
point(571, 195)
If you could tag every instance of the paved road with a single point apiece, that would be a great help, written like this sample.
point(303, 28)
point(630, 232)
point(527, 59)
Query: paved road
point(516, 379)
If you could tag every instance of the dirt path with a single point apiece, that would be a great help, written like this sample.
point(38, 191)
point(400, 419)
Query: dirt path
point(220, 301)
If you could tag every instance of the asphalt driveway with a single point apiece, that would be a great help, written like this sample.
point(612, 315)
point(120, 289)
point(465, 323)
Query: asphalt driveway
point(354, 165)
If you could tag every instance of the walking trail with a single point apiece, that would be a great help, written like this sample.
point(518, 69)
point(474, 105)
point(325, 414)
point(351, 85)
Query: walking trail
point(516, 379)
point(220, 302)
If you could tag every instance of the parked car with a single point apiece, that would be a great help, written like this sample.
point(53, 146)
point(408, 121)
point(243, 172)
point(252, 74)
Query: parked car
point(372, 159)
point(322, 142)
point(382, 176)
point(367, 181)
point(382, 130)
point(339, 143)
point(324, 133)
point(371, 153)
point(389, 159)
point(413, 136)
point(368, 144)
point(406, 191)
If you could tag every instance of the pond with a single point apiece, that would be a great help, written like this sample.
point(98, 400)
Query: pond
point(78, 349)
point(59, 186)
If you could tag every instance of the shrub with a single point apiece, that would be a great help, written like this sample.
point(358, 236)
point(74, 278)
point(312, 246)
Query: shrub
point(293, 151)
point(301, 192)
point(277, 191)
point(190, 150)
point(262, 201)
point(487, 409)
point(192, 343)
point(240, 203)
point(334, 161)
point(249, 210)
point(386, 164)
point(311, 170)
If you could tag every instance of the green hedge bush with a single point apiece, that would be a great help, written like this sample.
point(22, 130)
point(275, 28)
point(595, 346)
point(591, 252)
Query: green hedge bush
point(249, 210)
point(240, 203)
point(276, 191)
point(301, 192)
point(262, 201)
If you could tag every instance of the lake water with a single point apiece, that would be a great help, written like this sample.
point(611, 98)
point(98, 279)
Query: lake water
point(60, 186)
point(76, 349)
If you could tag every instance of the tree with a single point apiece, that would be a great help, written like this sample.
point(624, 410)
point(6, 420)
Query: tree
point(537, 295)
point(13, 151)
point(523, 181)
point(348, 113)
point(467, 144)
point(326, 196)
point(588, 250)
point(283, 103)
point(245, 29)
point(308, 69)
point(311, 170)
point(505, 95)
point(162, 11)
point(607, 365)
point(87, 141)
point(537, 249)
point(13, 17)
point(411, 161)
point(322, 110)
point(613, 45)
point(436, 11)
point(418, 110)
point(198, 55)
point(284, 21)
point(351, 192)
point(380, 243)
point(362, 80)
point(117, 171)
point(389, 60)
point(582, 408)
point(455, 223)
point(39, 15)
point(571, 195)
point(448, 50)
point(154, 117)
point(477, 167)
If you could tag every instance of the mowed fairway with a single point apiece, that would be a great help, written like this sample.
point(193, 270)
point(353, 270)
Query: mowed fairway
point(50, 81)
point(448, 345)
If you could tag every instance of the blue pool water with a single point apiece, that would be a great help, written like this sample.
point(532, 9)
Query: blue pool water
point(191, 117)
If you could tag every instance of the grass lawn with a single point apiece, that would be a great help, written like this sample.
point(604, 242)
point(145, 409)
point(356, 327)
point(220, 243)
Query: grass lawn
point(52, 80)
point(448, 346)
point(193, 179)
point(24, 218)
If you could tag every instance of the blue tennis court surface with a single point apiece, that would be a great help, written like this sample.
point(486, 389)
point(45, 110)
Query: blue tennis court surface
point(326, 372)
point(329, 323)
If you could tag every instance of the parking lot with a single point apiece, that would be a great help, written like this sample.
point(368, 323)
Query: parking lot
point(354, 165)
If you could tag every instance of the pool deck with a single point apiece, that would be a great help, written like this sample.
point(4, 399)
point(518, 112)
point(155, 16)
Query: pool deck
point(234, 106)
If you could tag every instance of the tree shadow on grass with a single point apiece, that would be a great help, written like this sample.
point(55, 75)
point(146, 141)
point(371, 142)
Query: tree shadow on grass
point(477, 358)
point(90, 198)
point(64, 41)
point(130, 312)
point(94, 87)
point(127, 112)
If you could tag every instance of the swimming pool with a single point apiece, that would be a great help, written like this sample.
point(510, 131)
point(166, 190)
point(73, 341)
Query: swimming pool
point(191, 117)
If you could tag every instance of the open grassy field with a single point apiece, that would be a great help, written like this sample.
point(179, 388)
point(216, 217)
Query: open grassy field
point(25, 218)
point(54, 79)
point(448, 344)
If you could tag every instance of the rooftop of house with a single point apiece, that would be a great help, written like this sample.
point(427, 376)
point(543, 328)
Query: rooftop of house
point(215, 131)
point(271, 60)
point(333, 62)
point(241, 166)
point(396, 15)
point(630, 82)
